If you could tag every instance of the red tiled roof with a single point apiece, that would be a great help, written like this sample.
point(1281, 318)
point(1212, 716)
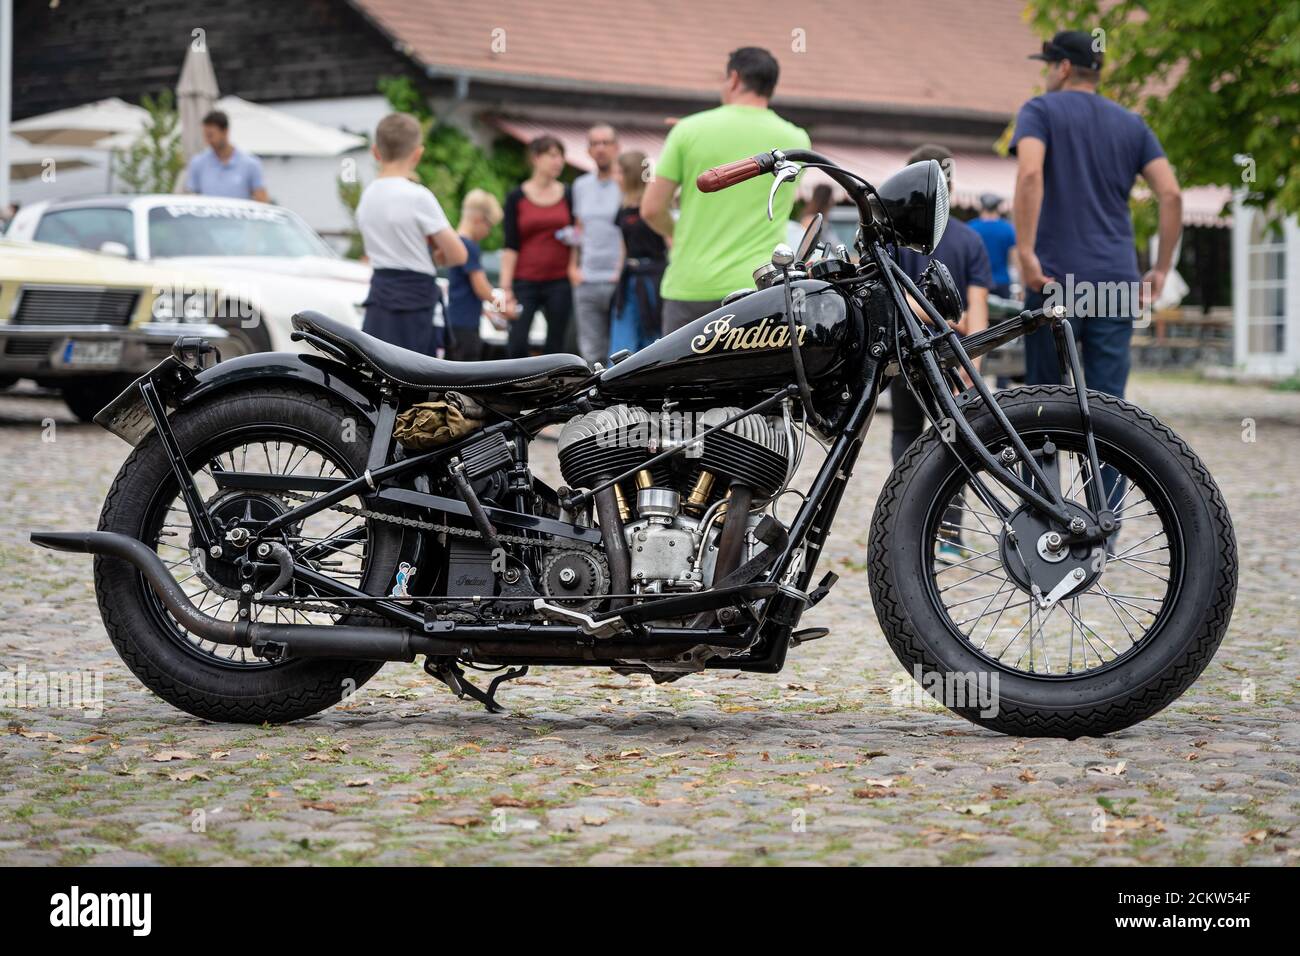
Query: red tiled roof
point(945, 56)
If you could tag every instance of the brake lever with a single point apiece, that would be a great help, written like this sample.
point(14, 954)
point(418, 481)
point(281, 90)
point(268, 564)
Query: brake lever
point(783, 173)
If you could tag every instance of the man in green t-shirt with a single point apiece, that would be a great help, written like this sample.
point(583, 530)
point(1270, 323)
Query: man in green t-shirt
point(720, 238)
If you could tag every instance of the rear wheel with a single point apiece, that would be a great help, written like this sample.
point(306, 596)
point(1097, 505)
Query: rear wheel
point(267, 430)
point(1137, 620)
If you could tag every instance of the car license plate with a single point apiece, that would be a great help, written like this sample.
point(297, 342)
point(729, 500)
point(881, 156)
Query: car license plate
point(92, 352)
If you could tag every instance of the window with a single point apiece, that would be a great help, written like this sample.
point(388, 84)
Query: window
point(187, 228)
point(1266, 287)
point(87, 228)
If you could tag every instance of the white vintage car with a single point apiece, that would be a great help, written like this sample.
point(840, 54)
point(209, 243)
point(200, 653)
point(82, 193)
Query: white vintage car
point(267, 261)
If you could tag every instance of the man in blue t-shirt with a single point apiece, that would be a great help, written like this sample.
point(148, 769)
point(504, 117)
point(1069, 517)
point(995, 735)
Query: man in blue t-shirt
point(1078, 155)
point(222, 170)
point(999, 238)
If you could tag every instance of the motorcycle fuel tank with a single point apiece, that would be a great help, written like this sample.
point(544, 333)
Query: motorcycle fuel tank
point(743, 346)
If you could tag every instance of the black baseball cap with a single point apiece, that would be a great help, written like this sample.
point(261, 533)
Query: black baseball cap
point(1072, 45)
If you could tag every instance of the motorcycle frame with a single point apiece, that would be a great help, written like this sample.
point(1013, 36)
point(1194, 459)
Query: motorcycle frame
point(899, 340)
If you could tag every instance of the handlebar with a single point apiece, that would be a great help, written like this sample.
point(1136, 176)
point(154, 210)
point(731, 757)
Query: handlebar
point(720, 177)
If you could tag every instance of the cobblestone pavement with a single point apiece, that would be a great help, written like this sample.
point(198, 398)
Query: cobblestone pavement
point(822, 763)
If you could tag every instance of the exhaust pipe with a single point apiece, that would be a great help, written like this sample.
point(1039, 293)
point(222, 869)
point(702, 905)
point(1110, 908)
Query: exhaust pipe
point(151, 566)
point(280, 641)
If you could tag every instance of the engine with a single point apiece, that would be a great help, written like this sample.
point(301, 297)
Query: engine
point(684, 522)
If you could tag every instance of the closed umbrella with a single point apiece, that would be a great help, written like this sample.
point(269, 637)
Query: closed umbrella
point(196, 94)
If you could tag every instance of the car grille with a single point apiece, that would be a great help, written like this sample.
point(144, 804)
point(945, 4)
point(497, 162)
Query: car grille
point(73, 305)
point(28, 347)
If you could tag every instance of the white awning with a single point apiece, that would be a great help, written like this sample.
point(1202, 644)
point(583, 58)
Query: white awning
point(974, 174)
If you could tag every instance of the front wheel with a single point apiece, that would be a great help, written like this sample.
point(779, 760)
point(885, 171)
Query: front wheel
point(955, 559)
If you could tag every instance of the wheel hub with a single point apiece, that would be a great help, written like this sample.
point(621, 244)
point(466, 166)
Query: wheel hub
point(237, 517)
point(1035, 554)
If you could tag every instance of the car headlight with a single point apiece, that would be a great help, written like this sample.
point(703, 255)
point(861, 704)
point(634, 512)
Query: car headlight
point(174, 305)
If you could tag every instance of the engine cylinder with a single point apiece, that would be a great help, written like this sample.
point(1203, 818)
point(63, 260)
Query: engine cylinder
point(751, 451)
point(601, 444)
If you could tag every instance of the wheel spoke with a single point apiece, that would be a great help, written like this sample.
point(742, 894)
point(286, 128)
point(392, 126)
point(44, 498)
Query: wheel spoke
point(989, 607)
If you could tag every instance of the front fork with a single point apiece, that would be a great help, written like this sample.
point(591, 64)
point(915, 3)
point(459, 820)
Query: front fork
point(1034, 487)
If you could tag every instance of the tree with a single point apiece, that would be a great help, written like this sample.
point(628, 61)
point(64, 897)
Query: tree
point(1215, 79)
point(154, 161)
point(452, 165)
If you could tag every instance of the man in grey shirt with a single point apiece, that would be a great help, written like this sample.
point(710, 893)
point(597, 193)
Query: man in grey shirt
point(595, 260)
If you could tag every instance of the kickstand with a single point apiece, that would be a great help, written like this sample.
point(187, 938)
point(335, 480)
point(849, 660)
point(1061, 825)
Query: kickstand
point(454, 677)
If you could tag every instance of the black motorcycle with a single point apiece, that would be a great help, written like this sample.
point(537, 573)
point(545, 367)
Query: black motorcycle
point(288, 522)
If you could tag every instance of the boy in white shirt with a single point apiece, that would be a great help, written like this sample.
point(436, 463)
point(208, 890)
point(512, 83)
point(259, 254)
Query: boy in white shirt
point(401, 222)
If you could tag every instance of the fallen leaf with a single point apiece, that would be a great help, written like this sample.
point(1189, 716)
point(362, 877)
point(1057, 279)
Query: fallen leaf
point(1106, 771)
point(163, 756)
point(323, 805)
point(359, 782)
point(460, 821)
point(184, 776)
point(503, 800)
point(874, 793)
point(595, 821)
point(1028, 776)
point(219, 755)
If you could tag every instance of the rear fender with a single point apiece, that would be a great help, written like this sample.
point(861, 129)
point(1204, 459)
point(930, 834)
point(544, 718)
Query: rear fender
point(180, 384)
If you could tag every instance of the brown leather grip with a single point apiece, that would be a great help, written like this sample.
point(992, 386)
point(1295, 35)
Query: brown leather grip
point(720, 177)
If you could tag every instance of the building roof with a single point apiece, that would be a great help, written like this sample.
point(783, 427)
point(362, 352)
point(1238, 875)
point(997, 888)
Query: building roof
point(954, 57)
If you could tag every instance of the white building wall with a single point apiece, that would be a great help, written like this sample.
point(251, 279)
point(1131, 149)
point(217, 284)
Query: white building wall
point(1275, 365)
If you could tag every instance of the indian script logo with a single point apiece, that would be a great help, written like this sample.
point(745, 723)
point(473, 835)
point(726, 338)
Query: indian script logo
point(767, 334)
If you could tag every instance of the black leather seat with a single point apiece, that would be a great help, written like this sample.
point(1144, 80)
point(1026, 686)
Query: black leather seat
point(538, 373)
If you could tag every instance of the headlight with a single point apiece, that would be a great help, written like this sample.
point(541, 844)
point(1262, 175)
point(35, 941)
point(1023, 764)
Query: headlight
point(940, 211)
point(915, 202)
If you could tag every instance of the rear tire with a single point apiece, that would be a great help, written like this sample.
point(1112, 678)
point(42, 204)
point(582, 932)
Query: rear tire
point(1137, 683)
point(203, 684)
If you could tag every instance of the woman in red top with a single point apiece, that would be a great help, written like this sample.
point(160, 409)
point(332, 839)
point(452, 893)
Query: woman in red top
point(535, 260)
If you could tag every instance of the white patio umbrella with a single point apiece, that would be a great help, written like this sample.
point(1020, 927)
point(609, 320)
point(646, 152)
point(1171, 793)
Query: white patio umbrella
point(196, 92)
point(28, 161)
point(85, 125)
point(266, 131)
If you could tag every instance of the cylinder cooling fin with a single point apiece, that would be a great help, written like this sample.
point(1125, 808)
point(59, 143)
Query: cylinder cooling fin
point(752, 451)
point(601, 444)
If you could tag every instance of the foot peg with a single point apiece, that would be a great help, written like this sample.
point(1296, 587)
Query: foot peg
point(808, 634)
